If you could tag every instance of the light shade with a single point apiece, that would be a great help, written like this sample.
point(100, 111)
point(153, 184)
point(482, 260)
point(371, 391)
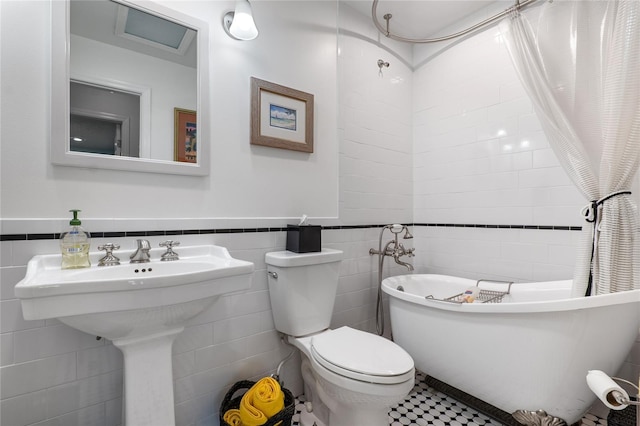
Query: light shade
point(239, 24)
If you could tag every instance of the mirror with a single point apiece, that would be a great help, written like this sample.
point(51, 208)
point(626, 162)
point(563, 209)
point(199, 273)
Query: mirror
point(129, 87)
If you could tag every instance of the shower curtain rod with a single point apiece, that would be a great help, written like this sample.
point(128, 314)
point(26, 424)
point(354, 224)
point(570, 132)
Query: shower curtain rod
point(387, 17)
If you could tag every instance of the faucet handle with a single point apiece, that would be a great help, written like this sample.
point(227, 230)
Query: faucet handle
point(169, 254)
point(169, 244)
point(109, 247)
point(109, 259)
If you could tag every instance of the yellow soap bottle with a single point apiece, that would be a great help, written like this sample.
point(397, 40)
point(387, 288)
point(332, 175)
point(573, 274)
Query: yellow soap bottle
point(74, 245)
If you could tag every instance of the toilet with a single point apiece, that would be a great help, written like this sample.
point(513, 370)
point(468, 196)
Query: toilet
point(350, 377)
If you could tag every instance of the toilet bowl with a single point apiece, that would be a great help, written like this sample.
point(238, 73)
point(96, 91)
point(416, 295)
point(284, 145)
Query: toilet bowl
point(351, 377)
point(358, 376)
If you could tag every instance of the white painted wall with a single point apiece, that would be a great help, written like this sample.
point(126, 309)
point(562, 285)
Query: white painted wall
point(297, 48)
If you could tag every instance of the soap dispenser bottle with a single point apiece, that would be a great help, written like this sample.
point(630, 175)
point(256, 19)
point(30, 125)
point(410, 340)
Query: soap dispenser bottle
point(74, 245)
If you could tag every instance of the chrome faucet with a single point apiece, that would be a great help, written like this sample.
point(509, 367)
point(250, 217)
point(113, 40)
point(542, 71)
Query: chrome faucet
point(141, 255)
point(398, 250)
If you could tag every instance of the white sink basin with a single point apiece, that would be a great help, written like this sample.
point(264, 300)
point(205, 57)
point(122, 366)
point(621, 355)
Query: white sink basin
point(201, 273)
point(140, 307)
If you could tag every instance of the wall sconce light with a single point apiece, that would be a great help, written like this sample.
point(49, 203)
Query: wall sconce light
point(239, 24)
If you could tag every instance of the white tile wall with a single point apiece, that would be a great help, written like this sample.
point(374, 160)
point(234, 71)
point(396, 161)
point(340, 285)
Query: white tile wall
point(20, 378)
point(374, 127)
point(49, 341)
point(480, 156)
point(25, 409)
point(99, 360)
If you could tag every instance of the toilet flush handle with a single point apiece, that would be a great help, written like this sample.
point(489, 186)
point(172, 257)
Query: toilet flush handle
point(273, 275)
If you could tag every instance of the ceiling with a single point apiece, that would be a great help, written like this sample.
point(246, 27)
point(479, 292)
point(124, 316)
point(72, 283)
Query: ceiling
point(423, 18)
point(411, 18)
point(96, 20)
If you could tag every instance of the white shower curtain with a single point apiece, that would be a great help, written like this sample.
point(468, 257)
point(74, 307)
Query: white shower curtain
point(580, 65)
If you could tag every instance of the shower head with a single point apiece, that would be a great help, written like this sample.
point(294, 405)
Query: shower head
point(381, 64)
point(407, 235)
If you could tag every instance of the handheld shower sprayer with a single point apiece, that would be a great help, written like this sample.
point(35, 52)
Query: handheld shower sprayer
point(396, 228)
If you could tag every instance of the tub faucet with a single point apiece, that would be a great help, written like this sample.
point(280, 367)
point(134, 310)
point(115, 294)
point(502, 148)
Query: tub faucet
point(398, 250)
point(141, 255)
point(395, 249)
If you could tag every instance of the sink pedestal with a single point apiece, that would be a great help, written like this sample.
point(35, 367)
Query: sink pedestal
point(148, 382)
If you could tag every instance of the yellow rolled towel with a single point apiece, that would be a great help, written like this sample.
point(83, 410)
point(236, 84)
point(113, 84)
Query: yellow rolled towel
point(249, 414)
point(232, 417)
point(268, 396)
point(262, 401)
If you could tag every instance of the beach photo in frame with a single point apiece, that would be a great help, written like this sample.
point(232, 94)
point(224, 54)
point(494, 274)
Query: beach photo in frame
point(281, 117)
point(185, 142)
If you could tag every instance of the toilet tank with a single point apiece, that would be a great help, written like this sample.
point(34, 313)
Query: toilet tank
point(302, 288)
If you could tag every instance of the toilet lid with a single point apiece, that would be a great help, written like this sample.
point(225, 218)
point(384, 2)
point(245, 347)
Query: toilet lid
point(362, 356)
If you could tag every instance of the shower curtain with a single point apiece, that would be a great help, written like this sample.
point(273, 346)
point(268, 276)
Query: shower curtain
point(580, 65)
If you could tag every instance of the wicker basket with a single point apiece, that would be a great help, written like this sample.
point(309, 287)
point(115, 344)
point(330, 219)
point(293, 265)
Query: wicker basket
point(626, 417)
point(229, 402)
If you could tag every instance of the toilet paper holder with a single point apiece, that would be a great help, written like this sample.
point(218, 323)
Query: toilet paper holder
point(609, 392)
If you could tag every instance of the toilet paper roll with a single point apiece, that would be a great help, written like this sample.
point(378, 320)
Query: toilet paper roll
point(604, 387)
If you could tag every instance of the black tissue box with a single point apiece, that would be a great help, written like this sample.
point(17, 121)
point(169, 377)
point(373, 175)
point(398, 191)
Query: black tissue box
point(303, 238)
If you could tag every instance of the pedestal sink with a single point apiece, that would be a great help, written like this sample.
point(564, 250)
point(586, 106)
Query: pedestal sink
point(140, 307)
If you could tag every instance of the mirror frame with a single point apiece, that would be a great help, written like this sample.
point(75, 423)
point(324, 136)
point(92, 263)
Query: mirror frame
point(59, 144)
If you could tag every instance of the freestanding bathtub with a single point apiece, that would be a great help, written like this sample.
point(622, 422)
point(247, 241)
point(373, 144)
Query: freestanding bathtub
point(529, 352)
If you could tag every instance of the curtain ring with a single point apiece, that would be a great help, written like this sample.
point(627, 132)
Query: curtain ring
point(514, 11)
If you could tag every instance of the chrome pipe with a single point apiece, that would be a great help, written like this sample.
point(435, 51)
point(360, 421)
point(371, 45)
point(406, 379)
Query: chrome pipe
point(387, 32)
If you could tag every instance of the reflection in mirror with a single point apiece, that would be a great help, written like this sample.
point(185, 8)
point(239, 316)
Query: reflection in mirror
point(128, 66)
point(117, 43)
point(104, 120)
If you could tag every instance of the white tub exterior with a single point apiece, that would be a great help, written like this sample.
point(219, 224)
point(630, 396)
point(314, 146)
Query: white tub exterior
point(530, 352)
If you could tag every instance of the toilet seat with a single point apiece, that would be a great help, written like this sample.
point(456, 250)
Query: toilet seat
point(362, 356)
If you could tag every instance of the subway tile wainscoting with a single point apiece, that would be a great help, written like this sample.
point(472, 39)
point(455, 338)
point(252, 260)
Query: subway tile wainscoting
point(53, 373)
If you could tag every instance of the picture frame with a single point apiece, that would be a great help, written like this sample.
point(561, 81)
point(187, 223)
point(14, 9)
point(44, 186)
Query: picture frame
point(185, 146)
point(281, 117)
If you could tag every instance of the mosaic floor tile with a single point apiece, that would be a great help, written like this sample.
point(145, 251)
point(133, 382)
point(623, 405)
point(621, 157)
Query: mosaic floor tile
point(425, 406)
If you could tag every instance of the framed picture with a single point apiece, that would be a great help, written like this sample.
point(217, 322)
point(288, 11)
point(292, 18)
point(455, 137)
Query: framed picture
point(281, 117)
point(185, 145)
